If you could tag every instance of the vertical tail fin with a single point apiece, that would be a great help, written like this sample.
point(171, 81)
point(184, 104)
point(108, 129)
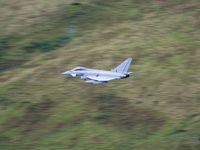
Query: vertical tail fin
point(123, 67)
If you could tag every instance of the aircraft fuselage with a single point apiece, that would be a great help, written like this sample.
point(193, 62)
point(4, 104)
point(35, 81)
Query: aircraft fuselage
point(101, 76)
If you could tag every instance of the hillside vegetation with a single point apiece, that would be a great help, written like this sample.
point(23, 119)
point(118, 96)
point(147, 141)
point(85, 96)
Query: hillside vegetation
point(157, 108)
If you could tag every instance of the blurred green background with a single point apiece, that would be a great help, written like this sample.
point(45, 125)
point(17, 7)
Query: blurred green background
point(157, 108)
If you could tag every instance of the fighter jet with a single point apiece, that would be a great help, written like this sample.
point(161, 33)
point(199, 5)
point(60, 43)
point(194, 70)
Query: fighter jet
point(101, 76)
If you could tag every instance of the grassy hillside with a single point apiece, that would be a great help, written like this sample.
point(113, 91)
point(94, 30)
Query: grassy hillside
point(157, 108)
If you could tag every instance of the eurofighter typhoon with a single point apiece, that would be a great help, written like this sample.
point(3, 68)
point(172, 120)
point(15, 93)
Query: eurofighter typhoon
point(95, 76)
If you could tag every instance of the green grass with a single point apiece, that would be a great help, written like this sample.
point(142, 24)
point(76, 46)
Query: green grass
point(157, 108)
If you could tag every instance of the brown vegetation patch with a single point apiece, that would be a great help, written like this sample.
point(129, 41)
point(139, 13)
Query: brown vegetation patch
point(179, 6)
point(73, 121)
point(34, 113)
point(119, 112)
point(72, 143)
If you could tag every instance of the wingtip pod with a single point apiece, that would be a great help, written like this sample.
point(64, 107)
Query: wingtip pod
point(130, 72)
point(94, 82)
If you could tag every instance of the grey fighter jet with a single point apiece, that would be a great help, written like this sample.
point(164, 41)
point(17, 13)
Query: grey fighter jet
point(101, 76)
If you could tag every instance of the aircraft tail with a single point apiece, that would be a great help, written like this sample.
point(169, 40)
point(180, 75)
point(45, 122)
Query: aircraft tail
point(123, 67)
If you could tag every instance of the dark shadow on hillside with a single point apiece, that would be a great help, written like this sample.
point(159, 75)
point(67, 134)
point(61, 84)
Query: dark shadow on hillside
point(119, 112)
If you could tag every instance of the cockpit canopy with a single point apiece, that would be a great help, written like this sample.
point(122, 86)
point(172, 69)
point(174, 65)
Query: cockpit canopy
point(79, 68)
